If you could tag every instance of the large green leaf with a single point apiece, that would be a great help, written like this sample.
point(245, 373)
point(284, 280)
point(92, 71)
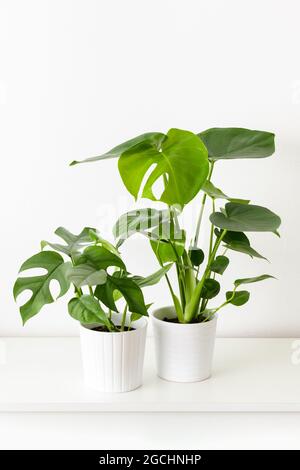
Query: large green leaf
point(216, 193)
point(153, 139)
point(56, 269)
point(250, 280)
point(87, 309)
point(86, 275)
point(238, 298)
point(180, 158)
point(129, 289)
point(74, 243)
point(234, 142)
point(140, 220)
point(246, 218)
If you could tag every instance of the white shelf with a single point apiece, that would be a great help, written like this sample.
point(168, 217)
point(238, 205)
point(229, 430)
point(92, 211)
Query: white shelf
point(44, 374)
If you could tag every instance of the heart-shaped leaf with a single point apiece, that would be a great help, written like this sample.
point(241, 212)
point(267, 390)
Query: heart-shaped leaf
point(210, 289)
point(238, 298)
point(234, 142)
point(216, 193)
point(129, 289)
point(87, 310)
point(246, 218)
point(56, 269)
point(219, 264)
point(196, 256)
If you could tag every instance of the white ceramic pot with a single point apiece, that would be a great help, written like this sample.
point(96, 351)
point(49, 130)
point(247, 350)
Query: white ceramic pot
point(184, 352)
point(113, 362)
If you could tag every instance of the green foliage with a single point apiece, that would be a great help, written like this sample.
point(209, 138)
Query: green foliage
point(219, 264)
point(237, 298)
point(246, 218)
point(234, 142)
point(56, 269)
point(162, 155)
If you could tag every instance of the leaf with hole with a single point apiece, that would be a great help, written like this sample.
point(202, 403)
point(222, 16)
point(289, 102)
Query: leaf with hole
point(246, 218)
point(224, 143)
point(74, 243)
point(56, 269)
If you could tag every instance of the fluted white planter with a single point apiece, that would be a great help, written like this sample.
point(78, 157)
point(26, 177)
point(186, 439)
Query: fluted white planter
point(113, 362)
point(184, 352)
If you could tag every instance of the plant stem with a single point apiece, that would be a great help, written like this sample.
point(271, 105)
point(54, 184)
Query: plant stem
point(91, 291)
point(193, 306)
point(124, 318)
point(196, 238)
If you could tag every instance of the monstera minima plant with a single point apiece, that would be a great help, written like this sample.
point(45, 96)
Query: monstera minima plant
point(84, 261)
point(184, 162)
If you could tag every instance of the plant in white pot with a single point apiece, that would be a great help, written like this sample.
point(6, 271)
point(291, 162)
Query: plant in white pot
point(112, 343)
point(184, 161)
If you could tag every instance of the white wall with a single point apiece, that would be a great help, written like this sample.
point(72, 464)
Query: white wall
point(78, 77)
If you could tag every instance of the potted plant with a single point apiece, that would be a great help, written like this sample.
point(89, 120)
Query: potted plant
point(112, 343)
point(185, 162)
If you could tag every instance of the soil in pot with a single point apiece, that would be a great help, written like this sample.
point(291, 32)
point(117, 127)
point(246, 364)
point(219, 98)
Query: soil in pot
point(103, 329)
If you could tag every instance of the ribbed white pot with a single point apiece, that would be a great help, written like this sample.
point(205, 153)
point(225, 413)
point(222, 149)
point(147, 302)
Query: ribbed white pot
point(184, 352)
point(113, 362)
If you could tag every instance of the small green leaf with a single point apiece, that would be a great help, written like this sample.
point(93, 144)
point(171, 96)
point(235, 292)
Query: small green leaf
point(238, 297)
point(210, 289)
point(196, 256)
point(250, 280)
point(87, 309)
point(134, 317)
point(234, 142)
point(246, 218)
point(219, 264)
point(56, 269)
point(216, 193)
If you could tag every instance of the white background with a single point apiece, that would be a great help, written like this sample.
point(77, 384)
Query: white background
point(78, 77)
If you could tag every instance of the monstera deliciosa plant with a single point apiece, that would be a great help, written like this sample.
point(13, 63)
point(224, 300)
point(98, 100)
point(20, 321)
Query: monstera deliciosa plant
point(185, 162)
point(98, 275)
